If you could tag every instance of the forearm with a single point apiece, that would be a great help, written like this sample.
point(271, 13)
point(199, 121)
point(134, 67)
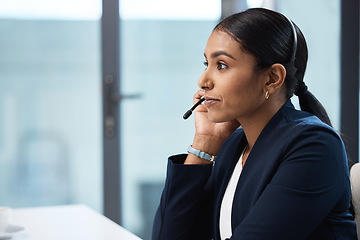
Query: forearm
point(181, 200)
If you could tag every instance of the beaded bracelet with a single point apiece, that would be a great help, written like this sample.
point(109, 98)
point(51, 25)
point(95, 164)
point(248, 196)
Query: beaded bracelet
point(201, 154)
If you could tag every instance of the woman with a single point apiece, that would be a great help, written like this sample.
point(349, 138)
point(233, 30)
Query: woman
point(279, 173)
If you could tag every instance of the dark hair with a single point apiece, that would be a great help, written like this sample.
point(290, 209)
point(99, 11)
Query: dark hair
point(268, 36)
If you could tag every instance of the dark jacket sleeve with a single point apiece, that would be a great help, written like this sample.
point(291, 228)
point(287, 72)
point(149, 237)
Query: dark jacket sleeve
point(185, 205)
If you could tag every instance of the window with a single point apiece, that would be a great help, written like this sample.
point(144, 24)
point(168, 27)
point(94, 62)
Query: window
point(50, 103)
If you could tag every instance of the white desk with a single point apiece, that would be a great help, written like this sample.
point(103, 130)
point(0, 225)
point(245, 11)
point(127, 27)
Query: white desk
point(74, 222)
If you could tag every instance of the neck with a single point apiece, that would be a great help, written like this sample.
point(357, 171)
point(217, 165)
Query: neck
point(254, 125)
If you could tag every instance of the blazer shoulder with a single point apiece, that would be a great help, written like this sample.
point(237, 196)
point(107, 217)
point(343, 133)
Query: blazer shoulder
point(296, 119)
point(290, 127)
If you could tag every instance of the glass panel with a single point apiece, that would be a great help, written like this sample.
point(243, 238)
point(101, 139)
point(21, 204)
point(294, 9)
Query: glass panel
point(175, 9)
point(162, 60)
point(321, 27)
point(50, 103)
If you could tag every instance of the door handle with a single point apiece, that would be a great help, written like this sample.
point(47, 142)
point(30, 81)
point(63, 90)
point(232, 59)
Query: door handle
point(115, 97)
point(111, 99)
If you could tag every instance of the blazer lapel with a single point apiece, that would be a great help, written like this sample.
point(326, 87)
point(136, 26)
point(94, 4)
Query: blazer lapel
point(229, 159)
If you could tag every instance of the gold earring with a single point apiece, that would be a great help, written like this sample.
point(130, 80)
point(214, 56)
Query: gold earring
point(267, 95)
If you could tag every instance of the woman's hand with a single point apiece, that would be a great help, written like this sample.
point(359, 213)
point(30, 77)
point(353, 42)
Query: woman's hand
point(209, 136)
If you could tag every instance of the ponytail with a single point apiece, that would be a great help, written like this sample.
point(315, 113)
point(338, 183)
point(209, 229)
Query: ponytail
point(309, 103)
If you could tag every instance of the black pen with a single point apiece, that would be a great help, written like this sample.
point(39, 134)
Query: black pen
point(189, 112)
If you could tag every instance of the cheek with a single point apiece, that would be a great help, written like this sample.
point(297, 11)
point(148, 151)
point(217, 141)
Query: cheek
point(242, 91)
point(237, 88)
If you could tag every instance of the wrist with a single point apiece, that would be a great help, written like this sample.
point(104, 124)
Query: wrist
point(210, 145)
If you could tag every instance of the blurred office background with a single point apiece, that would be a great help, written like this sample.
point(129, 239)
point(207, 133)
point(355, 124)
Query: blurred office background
point(55, 138)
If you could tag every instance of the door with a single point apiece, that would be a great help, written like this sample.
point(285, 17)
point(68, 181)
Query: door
point(162, 55)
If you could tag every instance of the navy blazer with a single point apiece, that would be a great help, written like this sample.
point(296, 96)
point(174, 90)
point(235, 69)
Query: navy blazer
point(294, 185)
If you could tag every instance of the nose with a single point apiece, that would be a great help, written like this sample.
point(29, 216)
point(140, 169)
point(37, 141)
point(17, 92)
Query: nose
point(204, 81)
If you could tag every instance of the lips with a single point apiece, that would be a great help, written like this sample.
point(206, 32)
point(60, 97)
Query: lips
point(210, 101)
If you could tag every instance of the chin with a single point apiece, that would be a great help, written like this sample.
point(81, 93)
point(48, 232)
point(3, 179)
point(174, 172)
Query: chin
point(216, 119)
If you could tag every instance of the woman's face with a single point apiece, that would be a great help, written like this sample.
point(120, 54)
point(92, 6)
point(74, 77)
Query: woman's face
point(233, 90)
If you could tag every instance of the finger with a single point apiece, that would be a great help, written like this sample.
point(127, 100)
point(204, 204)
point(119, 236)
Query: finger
point(198, 96)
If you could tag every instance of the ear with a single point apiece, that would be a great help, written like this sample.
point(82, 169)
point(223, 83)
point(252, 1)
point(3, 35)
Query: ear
point(276, 78)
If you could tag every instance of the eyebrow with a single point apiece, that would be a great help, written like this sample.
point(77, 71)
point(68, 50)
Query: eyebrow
point(219, 53)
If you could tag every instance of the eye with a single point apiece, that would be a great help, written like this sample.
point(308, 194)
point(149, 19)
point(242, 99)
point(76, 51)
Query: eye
point(206, 64)
point(221, 66)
